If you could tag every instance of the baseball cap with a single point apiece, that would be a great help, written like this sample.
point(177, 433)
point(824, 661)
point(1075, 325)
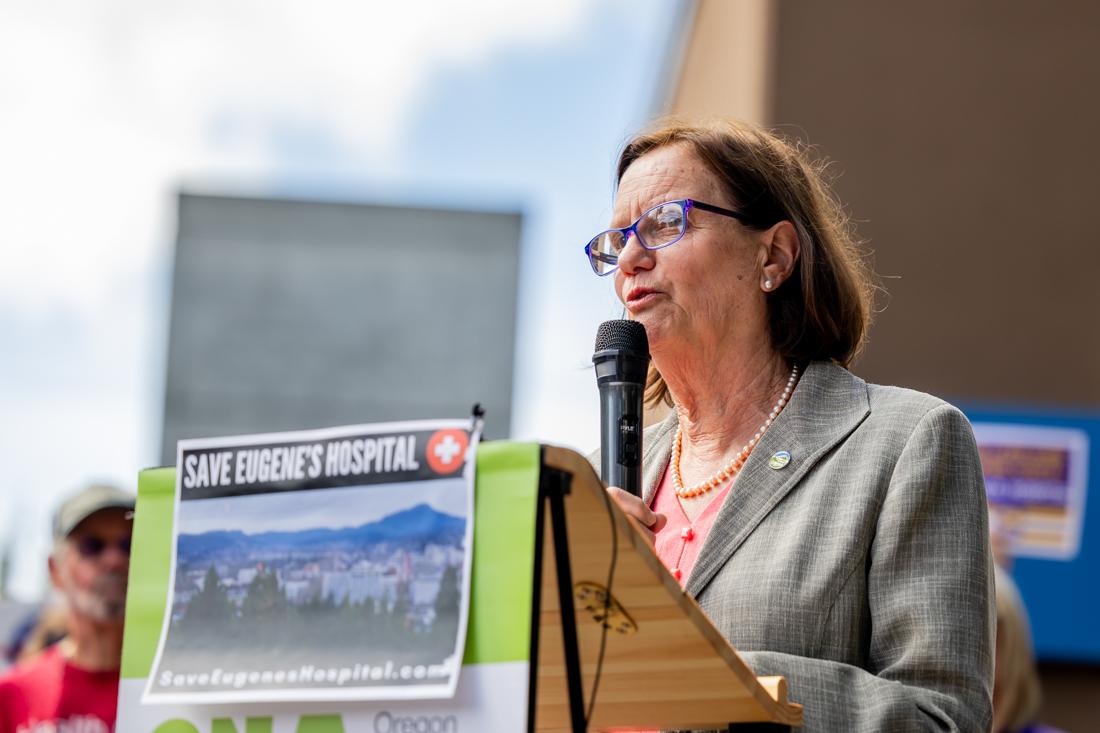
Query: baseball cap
point(85, 503)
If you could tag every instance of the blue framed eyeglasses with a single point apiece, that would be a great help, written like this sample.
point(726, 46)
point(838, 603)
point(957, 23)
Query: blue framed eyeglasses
point(663, 225)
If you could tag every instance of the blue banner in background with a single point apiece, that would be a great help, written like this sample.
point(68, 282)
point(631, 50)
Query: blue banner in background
point(1042, 470)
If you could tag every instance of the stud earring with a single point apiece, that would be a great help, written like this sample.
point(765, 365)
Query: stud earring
point(768, 284)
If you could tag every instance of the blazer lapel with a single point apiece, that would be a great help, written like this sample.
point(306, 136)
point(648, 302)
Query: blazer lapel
point(827, 405)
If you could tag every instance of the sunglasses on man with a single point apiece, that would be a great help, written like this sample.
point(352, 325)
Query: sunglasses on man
point(90, 546)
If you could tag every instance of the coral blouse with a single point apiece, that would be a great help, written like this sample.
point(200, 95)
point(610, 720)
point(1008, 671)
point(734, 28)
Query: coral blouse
point(678, 544)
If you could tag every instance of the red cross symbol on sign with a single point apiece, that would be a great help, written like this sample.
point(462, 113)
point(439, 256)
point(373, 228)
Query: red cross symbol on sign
point(446, 450)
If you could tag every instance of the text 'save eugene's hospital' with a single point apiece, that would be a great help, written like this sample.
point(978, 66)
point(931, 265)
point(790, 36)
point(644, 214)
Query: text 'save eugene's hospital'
point(386, 454)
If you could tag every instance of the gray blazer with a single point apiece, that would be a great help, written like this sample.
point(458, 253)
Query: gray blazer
point(861, 571)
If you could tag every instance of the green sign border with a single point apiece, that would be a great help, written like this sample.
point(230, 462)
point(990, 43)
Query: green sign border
point(500, 594)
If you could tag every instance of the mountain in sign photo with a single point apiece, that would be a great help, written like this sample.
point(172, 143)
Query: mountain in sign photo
point(412, 528)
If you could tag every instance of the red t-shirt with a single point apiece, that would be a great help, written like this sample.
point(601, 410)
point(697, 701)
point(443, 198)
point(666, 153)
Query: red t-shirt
point(47, 694)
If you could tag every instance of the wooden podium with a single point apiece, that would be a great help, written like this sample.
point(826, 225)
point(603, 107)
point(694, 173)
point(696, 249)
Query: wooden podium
point(664, 665)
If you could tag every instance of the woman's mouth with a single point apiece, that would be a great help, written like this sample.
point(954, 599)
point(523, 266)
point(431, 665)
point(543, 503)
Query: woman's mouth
point(639, 298)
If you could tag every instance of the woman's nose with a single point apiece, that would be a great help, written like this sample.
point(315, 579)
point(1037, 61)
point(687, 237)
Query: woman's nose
point(634, 256)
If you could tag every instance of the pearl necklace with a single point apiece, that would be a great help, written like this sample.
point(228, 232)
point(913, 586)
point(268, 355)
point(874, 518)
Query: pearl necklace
point(738, 461)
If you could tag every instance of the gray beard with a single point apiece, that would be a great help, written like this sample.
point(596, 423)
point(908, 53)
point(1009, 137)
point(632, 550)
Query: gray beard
point(105, 602)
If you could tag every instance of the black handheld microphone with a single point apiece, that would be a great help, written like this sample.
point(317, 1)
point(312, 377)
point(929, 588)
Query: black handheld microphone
point(622, 360)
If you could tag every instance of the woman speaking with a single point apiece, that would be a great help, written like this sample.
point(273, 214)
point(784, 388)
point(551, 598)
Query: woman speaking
point(835, 531)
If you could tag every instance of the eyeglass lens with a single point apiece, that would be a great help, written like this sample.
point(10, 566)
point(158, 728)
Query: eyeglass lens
point(91, 546)
point(660, 226)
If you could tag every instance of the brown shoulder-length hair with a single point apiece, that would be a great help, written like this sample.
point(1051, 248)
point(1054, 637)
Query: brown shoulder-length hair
point(823, 311)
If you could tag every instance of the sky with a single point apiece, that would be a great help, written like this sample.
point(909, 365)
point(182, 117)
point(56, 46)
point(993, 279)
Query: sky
point(347, 506)
point(111, 108)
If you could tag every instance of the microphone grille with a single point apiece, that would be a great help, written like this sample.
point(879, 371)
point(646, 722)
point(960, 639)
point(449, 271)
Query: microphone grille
point(624, 335)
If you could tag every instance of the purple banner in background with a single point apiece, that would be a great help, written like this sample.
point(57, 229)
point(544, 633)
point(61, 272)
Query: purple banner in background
point(1025, 492)
point(1035, 481)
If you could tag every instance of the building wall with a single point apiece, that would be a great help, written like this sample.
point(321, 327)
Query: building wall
point(296, 314)
point(965, 139)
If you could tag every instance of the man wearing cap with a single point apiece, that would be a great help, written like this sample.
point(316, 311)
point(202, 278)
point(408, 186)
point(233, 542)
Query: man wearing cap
point(73, 685)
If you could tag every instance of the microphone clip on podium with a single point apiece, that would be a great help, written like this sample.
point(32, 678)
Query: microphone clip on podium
point(607, 617)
